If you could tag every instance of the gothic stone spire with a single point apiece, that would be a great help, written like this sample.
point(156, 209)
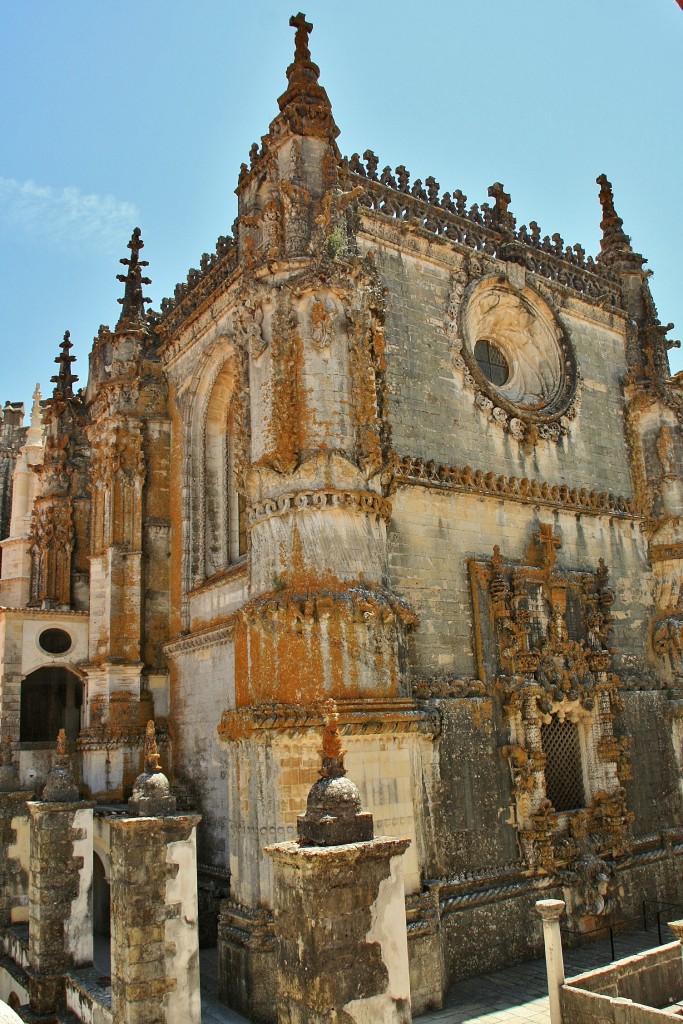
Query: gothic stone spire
point(133, 301)
point(305, 105)
point(64, 380)
point(615, 244)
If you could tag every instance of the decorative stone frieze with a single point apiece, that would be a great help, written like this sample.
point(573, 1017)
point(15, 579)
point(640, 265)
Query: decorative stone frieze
point(358, 501)
point(409, 469)
point(395, 715)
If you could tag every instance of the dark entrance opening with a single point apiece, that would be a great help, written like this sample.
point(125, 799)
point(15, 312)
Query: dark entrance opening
point(51, 700)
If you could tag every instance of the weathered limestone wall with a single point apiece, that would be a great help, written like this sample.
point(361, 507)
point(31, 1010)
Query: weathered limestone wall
point(269, 783)
point(474, 818)
point(433, 533)
point(433, 415)
point(21, 654)
point(654, 791)
point(203, 677)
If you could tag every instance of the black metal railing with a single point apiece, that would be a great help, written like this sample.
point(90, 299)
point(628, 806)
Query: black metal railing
point(625, 924)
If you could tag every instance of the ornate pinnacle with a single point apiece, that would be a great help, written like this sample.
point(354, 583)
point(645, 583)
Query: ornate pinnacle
point(61, 743)
point(305, 104)
point(65, 379)
point(133, 301)
point(332, 751)
point(152, 757)
point(615, 243)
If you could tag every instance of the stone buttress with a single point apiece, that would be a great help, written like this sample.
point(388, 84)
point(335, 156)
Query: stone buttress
point(129, 434)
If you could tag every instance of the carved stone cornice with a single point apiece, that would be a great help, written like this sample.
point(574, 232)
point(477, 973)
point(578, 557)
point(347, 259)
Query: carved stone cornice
point(297, 501)
point(439, 689)
point(356, 717)
point(354, 602)
point(212, 637)
point(665, 552)
point(200, 287)
point(411, 470)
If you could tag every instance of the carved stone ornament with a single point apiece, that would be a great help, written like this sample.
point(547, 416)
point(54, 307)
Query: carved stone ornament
point(323, 315)
point(534, 394)
point(542, 637)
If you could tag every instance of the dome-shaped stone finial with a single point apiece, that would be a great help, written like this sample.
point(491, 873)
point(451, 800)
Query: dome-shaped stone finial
point(9, 776)
point(333, 809)
point(152, 796)
point(61, 787)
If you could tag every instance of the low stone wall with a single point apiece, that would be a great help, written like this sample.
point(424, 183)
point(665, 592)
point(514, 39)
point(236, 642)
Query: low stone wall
point(629, 991)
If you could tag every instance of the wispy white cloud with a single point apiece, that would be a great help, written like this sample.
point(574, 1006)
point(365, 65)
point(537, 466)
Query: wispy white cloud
point(65, 216)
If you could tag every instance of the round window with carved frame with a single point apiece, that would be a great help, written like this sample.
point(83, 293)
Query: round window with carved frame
point(519, 358)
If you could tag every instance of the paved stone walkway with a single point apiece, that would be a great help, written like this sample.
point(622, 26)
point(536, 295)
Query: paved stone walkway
point(515, 995)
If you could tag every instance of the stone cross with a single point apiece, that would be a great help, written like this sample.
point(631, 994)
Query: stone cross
point(303, 30)
point(548, 543)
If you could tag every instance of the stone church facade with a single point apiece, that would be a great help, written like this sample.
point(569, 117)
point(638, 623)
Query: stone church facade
point(390, 449)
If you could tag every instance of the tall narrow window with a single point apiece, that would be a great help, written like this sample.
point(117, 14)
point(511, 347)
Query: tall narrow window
point(563, 768)
point(225, 537)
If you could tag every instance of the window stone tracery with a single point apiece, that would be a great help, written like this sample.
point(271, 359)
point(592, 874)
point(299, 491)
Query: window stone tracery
point(543, 640)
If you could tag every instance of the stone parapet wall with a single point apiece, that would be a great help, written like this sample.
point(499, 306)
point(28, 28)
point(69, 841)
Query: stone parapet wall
point(632, 991)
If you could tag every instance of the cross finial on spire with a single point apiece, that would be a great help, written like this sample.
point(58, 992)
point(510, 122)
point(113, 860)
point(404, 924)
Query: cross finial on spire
point(303, 30)
point(65, 379)
point(133, 301)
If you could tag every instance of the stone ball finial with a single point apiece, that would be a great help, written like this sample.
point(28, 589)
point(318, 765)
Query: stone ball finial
point(61, 786)
point(152, 797)
point(9, 776)
point(334, 814)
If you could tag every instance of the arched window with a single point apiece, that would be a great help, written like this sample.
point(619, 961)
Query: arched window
point(225, 537)
point(51, 700)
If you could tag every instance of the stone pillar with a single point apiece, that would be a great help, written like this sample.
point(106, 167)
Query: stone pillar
point(551, 912)
point(155, 935)
point(340, 919)
point(677, 928)
point(14, 841)
point(60, 885)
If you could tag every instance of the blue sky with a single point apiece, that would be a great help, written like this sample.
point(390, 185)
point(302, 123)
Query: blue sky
point(126, 113)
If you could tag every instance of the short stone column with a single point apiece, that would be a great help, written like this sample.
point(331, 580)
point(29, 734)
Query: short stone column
point(14, 841)
point(154, 911)
point(551, 912)
point(60, 885)
point(340, 919)
point(677, 928)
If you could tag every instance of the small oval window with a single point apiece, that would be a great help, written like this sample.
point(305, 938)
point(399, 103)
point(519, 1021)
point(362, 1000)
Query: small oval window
point(54, 641)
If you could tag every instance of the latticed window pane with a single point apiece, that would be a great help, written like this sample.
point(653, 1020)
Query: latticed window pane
point(563, 770)
point(492, 362)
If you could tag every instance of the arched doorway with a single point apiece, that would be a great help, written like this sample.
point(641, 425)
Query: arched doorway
point(101, 898)
point(101, 920)
point(51, 699)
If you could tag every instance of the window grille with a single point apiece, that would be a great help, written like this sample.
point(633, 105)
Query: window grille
point(563, 768)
